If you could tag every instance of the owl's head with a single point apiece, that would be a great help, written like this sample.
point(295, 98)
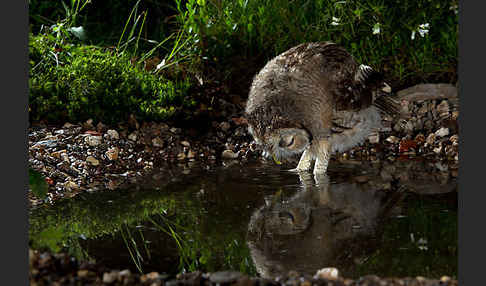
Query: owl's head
point(283, 142)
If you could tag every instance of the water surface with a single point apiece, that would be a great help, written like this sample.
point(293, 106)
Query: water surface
point(387, 219)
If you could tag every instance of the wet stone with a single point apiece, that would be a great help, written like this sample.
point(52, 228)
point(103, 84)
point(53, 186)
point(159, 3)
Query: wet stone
point(113, 134)
point(110, 277)
point(327, 273)
point(93, 140)
point(157, 142)
point(442, 132)
point(112, 153)
point(229, 154)
point(132, 136)
point(92, 160)
point(225, 276)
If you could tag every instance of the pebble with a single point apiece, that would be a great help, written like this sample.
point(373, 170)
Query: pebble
point(229, 154)
point(132, 136)
point(374, 138)
point(225, 126)
point(93, 140)
point(443, 131)
point(224, 276)
point(92, 160)
point(430, 139)
point(191, 154)
point(330, 273)
point(392, 139)
point(113, 134)
point(71, 186)
point(181, 156)
point(112, 153)
point(110, 277)
point(157, 142)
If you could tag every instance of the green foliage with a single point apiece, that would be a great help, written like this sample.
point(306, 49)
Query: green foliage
point(37, 184)
point(222, 29)
point(72, 82)
point(195, 227)
point(427, 236)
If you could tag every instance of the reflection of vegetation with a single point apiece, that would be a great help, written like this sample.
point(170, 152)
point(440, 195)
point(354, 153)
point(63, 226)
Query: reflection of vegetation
point(37, 184)
point(426, 237)
point(142, 220)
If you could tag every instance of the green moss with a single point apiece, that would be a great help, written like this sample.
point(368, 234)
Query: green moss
point(73, 82)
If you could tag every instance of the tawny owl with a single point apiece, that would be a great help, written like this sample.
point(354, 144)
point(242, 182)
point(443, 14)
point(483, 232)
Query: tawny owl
point(315, 99)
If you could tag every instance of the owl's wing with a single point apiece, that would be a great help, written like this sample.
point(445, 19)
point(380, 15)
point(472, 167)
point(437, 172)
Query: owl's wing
point(351, 83)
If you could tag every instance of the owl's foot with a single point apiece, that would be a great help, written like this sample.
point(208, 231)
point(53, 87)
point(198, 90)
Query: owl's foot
point(305, 162)
point(323, 155)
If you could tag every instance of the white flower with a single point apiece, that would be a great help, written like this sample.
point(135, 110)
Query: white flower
point(454, 8)
point(422, 244)
point(335, 21)
point(423, 29)
point(376, 29)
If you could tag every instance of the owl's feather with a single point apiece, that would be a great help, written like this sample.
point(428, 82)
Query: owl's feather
point(310, 87)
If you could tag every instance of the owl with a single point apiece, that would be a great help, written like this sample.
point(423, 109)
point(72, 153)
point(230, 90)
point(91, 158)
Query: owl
point(314, 100)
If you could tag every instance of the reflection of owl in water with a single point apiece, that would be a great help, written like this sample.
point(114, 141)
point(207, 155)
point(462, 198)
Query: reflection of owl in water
point(315, 99)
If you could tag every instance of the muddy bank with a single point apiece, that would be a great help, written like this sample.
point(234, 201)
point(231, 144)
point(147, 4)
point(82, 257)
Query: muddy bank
point(91, 156)
point(60, 269)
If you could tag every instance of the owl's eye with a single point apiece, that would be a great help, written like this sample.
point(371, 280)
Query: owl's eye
point(286, 141)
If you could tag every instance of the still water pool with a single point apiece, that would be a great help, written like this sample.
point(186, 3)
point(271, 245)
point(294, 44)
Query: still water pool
point(388, 219)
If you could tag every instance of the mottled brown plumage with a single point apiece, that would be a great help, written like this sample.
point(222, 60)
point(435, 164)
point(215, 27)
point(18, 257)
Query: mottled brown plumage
point(310, 98)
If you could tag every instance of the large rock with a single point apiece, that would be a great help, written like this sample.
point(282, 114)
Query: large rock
point(428, 91)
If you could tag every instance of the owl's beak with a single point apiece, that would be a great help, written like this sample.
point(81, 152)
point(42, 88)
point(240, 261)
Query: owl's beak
point(386, 88)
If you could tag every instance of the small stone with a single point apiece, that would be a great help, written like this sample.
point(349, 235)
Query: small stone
point(112, 153)
point(420, 138)
point(113, 134)
point(229, 154)
point(437, 150)
point(191, 154)
point(445, 279)
point(430, 139)
point(224, 276)
point(374, 138)
point(92, 160)
point(132, 136)
point(181, 156)
point(109, 277)
point(454, 139)
point(455, 115)
point(443, 108)
point(83, 273)
point(174, 130)
point(442, 132)
point(393, 139)
point(330, 273)
point(185, 143)
point(93, 140)
point(157, 142)
point(71, 186)
point(225, 126)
